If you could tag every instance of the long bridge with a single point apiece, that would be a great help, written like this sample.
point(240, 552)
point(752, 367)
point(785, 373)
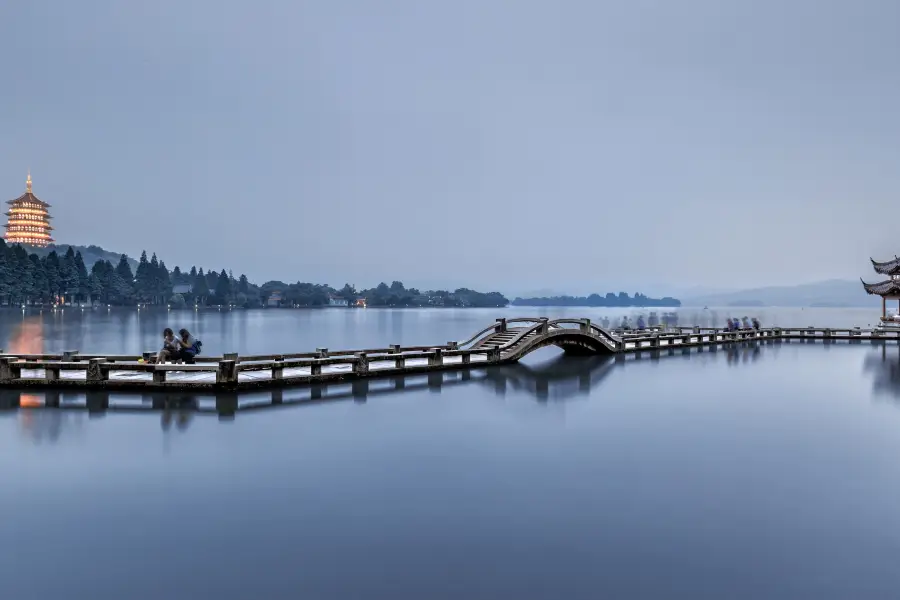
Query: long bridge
point(504, 342)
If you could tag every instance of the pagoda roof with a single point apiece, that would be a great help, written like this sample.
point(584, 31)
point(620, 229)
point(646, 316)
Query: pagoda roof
point(28, 197)
point(882, 288)
point(891, 267)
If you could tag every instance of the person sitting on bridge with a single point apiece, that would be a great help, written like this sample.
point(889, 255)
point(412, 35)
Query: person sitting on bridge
point(190, 347)
point(171, 347)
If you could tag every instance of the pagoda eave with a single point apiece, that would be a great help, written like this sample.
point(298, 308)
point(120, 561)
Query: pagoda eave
point(890, 267)
point(882, 288)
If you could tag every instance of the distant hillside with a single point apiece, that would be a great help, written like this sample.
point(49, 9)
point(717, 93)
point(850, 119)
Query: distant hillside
point(90, 254)
point(831, 293)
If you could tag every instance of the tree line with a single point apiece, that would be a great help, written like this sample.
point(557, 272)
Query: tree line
point(383, 295)
point(620, 299)
point(27, 278)
point(31, 279)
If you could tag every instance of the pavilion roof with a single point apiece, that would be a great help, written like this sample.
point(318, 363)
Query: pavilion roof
point(891, 267)
point(882, 288)
point(28, 197)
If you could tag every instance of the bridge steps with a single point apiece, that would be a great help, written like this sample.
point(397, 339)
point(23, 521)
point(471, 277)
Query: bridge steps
point(499, 339)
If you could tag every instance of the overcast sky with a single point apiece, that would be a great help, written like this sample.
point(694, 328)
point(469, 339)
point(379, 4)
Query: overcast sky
point(515, 145)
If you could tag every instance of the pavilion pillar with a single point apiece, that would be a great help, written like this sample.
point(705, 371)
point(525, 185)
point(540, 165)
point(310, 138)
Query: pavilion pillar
point(883, 307)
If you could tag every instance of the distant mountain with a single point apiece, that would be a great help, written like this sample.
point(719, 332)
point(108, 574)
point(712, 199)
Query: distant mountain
point(831, 293)
point(90, 254)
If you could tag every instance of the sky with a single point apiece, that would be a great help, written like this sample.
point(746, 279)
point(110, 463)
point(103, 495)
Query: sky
point(572, 146)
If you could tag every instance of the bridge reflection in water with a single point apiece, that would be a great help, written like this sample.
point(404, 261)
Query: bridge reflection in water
point(559, 379)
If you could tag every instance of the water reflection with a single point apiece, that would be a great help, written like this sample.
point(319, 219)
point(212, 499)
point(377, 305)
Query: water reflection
point(884, 364)
point(27, 337)
point(559, 379)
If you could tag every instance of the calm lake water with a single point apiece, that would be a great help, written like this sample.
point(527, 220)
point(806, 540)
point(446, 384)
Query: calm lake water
point(759, 471)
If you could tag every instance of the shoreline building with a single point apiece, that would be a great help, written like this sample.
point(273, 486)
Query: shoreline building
point(889, 289)
point(28, 220)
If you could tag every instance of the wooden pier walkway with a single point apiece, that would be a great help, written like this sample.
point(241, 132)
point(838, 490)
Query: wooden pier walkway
point(504, 342)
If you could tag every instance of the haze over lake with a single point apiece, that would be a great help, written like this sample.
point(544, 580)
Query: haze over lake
point(753, 471)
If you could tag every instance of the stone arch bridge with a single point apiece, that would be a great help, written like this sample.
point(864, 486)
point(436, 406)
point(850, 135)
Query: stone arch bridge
point(514, 338)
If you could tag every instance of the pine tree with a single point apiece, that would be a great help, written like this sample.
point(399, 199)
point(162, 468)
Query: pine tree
point(201, 289)
point(163, 282)
point(123, 269)
point(84, 288)
point(96, 286)
point(154, 282)
point(177, 276)
point(69, 275)
point(243, 284)
point(41, 292)
point(54, 277)
point(122, 286)
point(211, 279)
point(223, 288)
point(143, 278)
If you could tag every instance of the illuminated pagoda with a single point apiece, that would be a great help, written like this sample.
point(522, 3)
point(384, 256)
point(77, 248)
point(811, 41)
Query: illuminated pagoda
point(28, 220)
point(887, 289)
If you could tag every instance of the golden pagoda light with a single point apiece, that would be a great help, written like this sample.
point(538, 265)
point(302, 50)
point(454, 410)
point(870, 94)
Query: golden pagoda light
point(28, 219)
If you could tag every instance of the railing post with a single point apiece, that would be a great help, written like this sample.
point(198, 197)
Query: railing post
point(400, 361)
point(501, 326)
point(51, 372)
point(361, 364)
point(395, 348)
point(6, 373)
point(159, 375)
point(585, 326)
point(654, 340)
point(696, 330)
point(69, 355)
point(436, 358)
point(278, 368)
point(95, 373)
point(493, 354)
point(452, 346)
point(322, 352)
point(545, 327)
point(315, 368)
point(227, 373)
point(826, 333)
point(231, 356)
point(466, 358)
